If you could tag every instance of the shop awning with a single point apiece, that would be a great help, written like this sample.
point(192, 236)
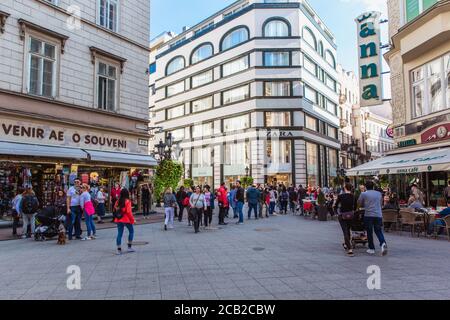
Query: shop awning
point(421, 161)
point(37, 150)
point(130, 159)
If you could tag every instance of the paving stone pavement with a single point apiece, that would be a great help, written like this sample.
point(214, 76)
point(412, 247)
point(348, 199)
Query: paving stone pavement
point(284, 257)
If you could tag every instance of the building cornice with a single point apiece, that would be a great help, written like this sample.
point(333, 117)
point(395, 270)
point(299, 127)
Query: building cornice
point(3, 17)
point(92, 24)
point(27, 25)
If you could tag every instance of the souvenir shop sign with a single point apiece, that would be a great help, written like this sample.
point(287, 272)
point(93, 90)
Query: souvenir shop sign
point(369, 41)
point(436, 134)
point(30, 132)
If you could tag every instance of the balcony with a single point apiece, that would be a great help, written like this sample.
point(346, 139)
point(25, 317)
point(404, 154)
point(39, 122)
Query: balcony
point(343, 123)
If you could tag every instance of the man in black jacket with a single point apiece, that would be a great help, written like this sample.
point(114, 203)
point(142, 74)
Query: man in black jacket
point(240, 198)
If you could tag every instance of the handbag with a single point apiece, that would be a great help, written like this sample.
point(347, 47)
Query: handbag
point(347, 216)
point(89, 208)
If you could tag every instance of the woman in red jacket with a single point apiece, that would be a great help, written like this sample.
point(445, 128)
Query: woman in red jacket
point(124, 218)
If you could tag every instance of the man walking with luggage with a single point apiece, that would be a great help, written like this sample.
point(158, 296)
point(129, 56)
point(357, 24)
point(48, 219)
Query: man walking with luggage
point(372, 201)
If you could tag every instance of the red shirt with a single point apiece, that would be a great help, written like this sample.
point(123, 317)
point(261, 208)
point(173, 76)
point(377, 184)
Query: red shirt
point(223, 197)
point(127, 217)
point(115, 193)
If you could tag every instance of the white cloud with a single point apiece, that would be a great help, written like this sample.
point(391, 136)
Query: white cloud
point(370, 5)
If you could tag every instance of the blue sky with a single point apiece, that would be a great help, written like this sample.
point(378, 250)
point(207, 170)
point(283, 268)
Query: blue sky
point(338, 15)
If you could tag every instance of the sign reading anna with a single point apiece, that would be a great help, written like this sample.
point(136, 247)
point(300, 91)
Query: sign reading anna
point(30, 132)
point(369, 41)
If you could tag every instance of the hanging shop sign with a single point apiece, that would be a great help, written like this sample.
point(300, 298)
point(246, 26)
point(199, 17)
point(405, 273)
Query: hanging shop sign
point(407, 143)
point(369, 41)
point(436, 134)
point(390, 131)
point(14, 130)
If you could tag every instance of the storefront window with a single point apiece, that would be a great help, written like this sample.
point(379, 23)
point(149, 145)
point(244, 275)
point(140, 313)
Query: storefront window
point(278, 119)
point(237, 123)
point(312, 164)
point(428, 87)
point(279, 152)
point(236, 154)
point(332, 165)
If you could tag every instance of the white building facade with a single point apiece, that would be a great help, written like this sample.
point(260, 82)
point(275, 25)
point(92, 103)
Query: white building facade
point(252, 90)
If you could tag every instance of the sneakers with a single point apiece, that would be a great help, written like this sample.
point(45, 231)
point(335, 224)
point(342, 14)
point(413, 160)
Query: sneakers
point(350, 253)
point(86, 239)
point(119, 252)
point(131, 250)
point(371, 251)
point(384, 249)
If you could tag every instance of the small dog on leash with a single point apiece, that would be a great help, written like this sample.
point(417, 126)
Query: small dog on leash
point(61, 235)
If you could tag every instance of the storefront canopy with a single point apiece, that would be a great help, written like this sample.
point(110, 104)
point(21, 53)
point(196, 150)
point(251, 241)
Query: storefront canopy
point(421, 161)
point(35, 150)
point(130, 159)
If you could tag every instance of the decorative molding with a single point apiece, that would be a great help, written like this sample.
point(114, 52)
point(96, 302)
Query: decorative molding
point(24, 25)
point(99, 52)
point(3, 17)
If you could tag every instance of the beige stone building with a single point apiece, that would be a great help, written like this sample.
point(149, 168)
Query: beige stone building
point(73, 91)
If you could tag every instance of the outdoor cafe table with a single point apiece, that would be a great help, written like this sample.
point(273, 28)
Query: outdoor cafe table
point(428, 217)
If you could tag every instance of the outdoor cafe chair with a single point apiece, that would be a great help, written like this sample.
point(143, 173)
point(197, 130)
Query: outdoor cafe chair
point(409, 218)
point(391, 216)
point(446, 226)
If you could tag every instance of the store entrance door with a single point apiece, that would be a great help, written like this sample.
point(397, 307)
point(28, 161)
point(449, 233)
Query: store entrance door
point(279, 179)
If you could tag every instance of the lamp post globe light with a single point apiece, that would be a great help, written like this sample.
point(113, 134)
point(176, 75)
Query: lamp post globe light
point(164, 149)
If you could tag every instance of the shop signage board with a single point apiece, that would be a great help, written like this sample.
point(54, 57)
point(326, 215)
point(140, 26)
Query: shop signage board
point(369, 55)
point(202, 172)
point(33, 132)
point(436, 134)
point(234, 170)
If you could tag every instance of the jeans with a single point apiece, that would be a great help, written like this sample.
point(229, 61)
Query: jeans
point(74, 222)
point(272, 208)
point(180, 215)
point(89, 220)
point(101, 210)
point(239, 207)
point(28, 220)
point(374, 224)
point(120, 229)
point(252, 206)
point(432, 226)
point(208, 216)
point(197, 218)
point(284, 205)
point(346, 227)
point(169, 211)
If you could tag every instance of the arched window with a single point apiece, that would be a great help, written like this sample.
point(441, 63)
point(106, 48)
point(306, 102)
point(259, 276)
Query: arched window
point(320, 48)
point(202, 52)
point(175, 65)
point(276, 28)
point(234, 38)
point(329, 57)
point(309, 37)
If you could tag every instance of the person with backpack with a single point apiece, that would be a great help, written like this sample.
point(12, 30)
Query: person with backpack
point(284, 199)
point(123, 217)
point(88, 210)
point(181, 196)
point(28, 208)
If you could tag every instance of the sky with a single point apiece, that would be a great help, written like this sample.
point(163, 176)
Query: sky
point(338, 15)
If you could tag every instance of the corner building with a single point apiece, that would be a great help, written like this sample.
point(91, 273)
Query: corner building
point(252, 89)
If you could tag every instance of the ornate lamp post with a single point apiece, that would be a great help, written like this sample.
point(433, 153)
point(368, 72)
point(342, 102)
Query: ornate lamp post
point(164, 149)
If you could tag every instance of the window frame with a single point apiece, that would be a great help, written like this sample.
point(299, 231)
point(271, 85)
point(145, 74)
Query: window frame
point(211, 71)
point(172, 61)
point(247, 57)
point(237, 101)
point(117, 2)
point(290, 88)
point(191, 104)
point(266, 117)
point(229, 32)
point(247, 115)
point(264, 52)
point(108, 63)
point(275, 19)
point(204, 44)
point(173, 84)
point(181, 106)
point(307, 29)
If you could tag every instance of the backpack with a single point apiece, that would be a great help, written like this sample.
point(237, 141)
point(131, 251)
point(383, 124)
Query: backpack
point(29, 204)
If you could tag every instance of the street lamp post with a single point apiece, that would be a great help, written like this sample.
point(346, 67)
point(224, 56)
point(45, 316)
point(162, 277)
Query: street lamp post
point(164, 149)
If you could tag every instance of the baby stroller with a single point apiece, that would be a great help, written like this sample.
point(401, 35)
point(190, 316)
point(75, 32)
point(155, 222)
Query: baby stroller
point(48, 221)
point(358, 230)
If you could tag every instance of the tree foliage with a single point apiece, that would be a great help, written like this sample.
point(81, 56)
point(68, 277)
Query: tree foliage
point(247, 181)
point(168, 174)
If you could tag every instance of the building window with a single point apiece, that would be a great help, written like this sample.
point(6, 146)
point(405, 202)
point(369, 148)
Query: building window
point(237, 154)
point(309, 37)
point(202, 130)
point(277, 89)
point(42, 68)
point(178, 135)
point(202, 104)
point(276, 28)
point(202, 79)
point(329, 58)
point(152, 68)
point(108, 14)
point(176, 64)
point(236, 123)
point(311, 123)
point(330, 106)
point(175, 88)
point(202, 157)
point(106, 86)
point(55, 2)
point(312, 164)
point(309, 65)
point(278, 119)
point(311, 94)
point(234, 38)
point(279, 152)
point(332, 165)
point(332, 132)
point(201, 53)
point(276, 59)
point(330, 82)
point(414, 8)
point(237, 94)
point(235, 66)
point(431, 87)
point(175, 112)
point(321, 48)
